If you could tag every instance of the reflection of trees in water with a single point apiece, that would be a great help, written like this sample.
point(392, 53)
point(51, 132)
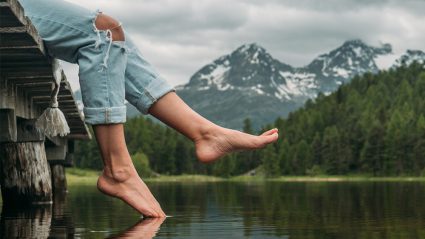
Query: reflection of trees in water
point(329, 210)
point(38, 221)
point(298, 210)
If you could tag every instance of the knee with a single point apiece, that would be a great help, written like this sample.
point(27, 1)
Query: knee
point(105, 22)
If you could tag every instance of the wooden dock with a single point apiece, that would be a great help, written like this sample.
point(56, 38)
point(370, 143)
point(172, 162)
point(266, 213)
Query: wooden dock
point(31, 164)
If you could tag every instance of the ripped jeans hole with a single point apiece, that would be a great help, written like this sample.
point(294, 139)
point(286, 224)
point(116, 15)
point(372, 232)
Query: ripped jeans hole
point(108, 36)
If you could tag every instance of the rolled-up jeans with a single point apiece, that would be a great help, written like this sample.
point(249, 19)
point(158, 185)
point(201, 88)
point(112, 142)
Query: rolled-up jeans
point(109, 71)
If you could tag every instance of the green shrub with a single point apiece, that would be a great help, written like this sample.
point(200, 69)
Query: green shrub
point(316, 170)
point(141, 163)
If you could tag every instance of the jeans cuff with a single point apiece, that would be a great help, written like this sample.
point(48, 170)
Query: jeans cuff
point(152, 93)
point(105, 115)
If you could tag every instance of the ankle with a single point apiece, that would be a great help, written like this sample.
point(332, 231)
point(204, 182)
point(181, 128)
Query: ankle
point(120, 174)
point(207, 131)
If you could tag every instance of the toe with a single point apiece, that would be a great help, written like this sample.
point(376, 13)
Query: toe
point(267, 139)
point(270, 132)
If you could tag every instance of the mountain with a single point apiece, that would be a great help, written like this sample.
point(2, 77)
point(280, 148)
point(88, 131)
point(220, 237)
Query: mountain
point(339, 66)
point(250, 83)
point(244, 84)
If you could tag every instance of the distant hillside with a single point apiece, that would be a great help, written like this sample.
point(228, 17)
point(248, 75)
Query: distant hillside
point(373, 125)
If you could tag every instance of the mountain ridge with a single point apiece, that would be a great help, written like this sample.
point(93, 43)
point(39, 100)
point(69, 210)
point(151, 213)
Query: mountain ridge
point(250, 83)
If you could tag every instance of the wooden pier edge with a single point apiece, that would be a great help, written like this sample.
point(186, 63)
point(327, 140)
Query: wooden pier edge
point(32, 165)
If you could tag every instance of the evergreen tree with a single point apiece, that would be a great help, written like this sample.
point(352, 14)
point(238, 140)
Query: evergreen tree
point(270, 162)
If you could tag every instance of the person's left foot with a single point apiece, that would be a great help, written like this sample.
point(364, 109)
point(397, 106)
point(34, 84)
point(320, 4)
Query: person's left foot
point(129, 187)
point(217, 142)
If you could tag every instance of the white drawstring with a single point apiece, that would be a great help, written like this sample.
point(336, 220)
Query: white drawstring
point(105, 60)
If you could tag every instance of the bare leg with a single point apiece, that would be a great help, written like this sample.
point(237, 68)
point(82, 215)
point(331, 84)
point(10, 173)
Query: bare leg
point(211, 141)
point(119, 177)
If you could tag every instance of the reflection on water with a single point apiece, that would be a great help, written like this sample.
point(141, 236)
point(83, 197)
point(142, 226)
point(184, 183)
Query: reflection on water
point(145, 228)
point(41, 221)
point(233, 210)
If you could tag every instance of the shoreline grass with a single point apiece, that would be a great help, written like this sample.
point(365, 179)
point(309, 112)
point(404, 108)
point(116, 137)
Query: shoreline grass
point(85, 176)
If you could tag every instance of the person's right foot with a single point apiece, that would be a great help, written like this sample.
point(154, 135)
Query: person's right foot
point(216, 142)
point(130, 188)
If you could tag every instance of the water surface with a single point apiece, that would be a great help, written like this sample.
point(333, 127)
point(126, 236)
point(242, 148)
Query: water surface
point(234, 210)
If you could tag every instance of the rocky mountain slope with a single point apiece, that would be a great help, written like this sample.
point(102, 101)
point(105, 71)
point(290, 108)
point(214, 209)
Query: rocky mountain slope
point(250, 83)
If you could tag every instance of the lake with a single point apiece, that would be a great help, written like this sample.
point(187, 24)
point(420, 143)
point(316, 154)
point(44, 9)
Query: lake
point(233, 210)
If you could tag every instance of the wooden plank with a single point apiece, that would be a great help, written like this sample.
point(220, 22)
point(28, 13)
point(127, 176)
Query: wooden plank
point(55, 141)
point(7, 98)
point(27, 132)
point(19, 51)
point(18, 12)
point(27, 73)
point(58, 178)
point(11, 14)
point(56, 152)
point(8, 131)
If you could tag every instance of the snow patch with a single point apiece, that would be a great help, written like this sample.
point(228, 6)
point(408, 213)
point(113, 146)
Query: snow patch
point(297, 84)
point(358, 51)
point(341, 72)
point(258, 90)
point(215, 77)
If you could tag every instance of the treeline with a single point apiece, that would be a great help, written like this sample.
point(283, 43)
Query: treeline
point(373, 125)
point(156, 147)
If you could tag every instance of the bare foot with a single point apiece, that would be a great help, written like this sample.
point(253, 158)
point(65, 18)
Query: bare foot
point(217, 142)
point(129, 187)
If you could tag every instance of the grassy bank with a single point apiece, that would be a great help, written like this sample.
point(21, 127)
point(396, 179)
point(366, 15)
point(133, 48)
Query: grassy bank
point(85, 176)
point(81, 176)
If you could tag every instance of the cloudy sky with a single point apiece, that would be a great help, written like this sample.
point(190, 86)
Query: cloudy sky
point(180, 36)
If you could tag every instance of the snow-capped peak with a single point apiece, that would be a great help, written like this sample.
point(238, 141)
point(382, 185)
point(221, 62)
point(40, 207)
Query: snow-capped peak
point(249, 82)
point(353, 57)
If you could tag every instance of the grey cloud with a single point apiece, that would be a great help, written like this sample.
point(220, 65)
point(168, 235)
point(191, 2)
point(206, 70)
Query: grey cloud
point(179, 37)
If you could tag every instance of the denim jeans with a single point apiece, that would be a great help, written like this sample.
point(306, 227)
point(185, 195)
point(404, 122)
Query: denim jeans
point(109, 71)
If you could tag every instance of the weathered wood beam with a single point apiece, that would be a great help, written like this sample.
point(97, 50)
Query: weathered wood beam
point(27, 132)
point(25, 174)
point(12, 14)
point(8, 131)
point(58, 178)
point(7, 94)
point(56, 152)
point(56, 141)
